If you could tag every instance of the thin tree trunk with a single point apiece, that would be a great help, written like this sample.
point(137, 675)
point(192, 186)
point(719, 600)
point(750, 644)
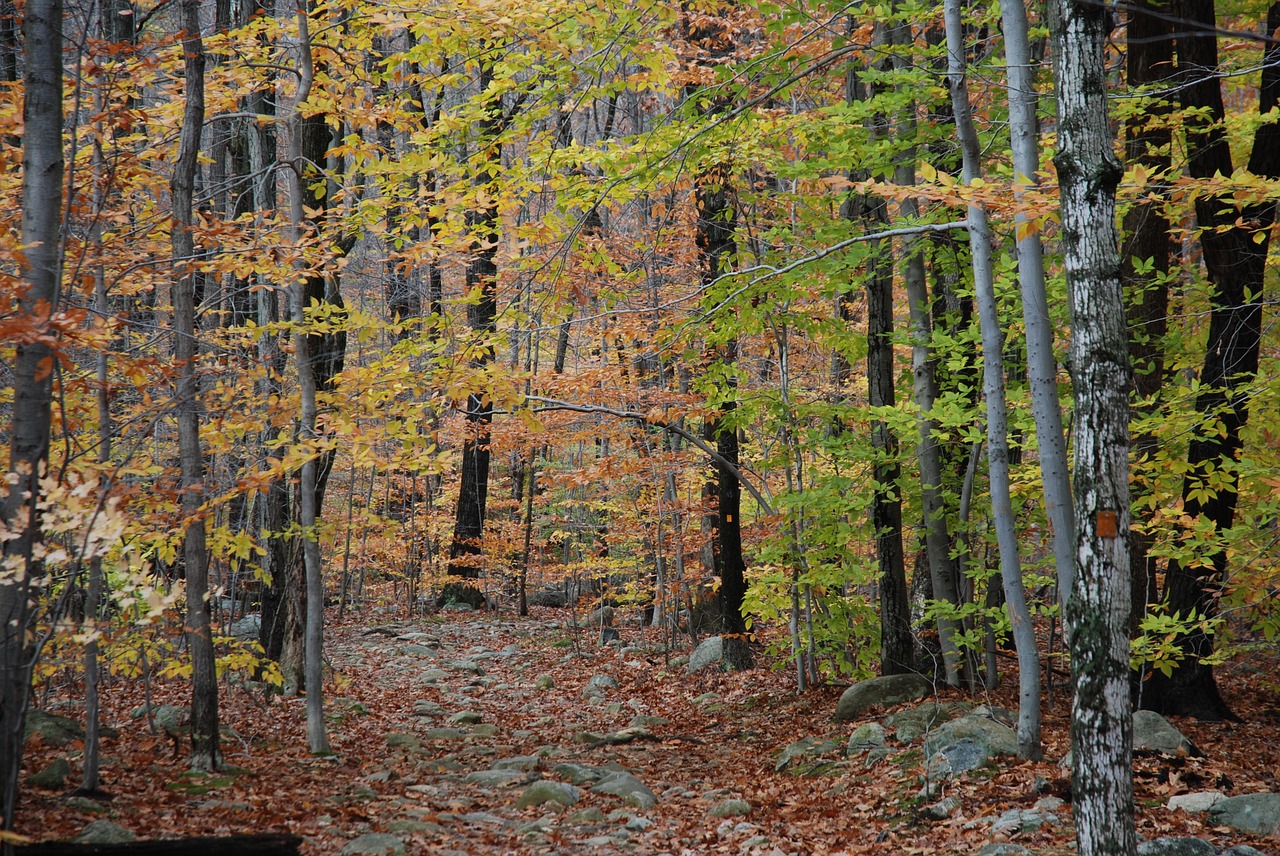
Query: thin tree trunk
point(317, 738)
point(1042, 365)
point(31, 408)
point(1097, 611)
point(1024, 636)
point(204, 678)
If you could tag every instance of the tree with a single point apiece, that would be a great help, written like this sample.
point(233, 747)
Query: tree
point(36, 335)
point(1235, 241)
point(1097, 610)
point(204, 679)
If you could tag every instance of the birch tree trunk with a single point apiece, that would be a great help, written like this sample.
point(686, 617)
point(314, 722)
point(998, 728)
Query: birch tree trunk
point(1024, 637)
point(1097, 611)
point(1042, 366)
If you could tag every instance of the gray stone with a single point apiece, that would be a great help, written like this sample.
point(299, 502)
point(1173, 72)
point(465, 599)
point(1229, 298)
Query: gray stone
point(1255, 814)
point(410, 827)
point(880, 692)
point(1242, 850)
point(1199, 801)
point(731, 808)
point(495, 778)
point(56, 731)
point(942, 809)
point(970, 741)
point(544, 682)
point(579, 774)
point(465, 717)
point(52, 777)
point(457, 607)
point(426, 707)
point(484, 729)
point(104, 832)
point(248, 627)
point(622, 784)
point(602, 616)
point(446, 734)
point(432, 676)
point(547, 791)
point(465, 666)
point(375, 844)
point(1153, 733)
point(523, 763)
point(586, 815)
point(804, 750)
point(416, 651)
point(403, 740)
point(644, 720)
point(913, 723)
point(865, 738)
point(708, 653)
point(1177, 847)
point(1003, 848)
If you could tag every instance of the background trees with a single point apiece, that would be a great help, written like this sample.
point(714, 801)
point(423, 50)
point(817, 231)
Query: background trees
point(541, 239)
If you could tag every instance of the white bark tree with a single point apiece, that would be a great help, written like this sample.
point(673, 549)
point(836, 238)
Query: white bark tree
point(1097, 611)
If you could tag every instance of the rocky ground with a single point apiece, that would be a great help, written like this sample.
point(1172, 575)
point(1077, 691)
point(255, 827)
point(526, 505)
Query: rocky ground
point(475, 734)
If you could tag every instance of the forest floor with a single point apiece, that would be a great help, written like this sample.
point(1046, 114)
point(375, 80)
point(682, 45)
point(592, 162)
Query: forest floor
point(412, 761)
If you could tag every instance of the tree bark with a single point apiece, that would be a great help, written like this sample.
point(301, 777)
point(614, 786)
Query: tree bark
point(1024, 636)
point(1234, 241)
point(1097, 611)
point(41, 271)
point(204, 679)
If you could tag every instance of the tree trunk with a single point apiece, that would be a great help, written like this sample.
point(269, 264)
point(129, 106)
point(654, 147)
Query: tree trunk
point(1097, 611)
point(1234, 241)
point(1145, 259)
point(482, 312)
point(1024, 636)
point(31, 407)
point(204, 678)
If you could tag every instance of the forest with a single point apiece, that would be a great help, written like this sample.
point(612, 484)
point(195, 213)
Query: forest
point(865, 341)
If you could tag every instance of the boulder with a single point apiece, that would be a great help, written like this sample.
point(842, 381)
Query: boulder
point(375, 844)
point(967, 743)
point(942, 809)
point(708, 653)
point(247, 628)
point(495, 778)
point(104, 832)
point(579, 774)
point(804, 754)
point(54, 730)
point(1177, 847)
point(620, 783)
point(1153, 733)
point(1255, 814)
point(1242, 850)
point(52, 777)
point(600, 617)
point(1199, 801)
point(731, 808)
point(865, 738)
point(880, 692)
point(913, 723)
point(547, 791)
point(1003, 848)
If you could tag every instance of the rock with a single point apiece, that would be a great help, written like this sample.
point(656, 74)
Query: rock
point(968, 742)
point(865, 738)
point(247, 628)
point(548, 597)
point(941, 810)
point(602, 616)
point(56, 731)
point(585, 815)
point(426, 707)
point(104, 832)
point(880, 692)
point(1153, 733)
point(1017, 820)
point(1003, 848)
point(1242, 850)
point(913, 723)
point(544, 682)
point(52, 777)
point(708, 653)
point(731, 808)
point(432, 676)
point(375, 844)
point(579, 774)
point(1255, 814)
point(1177, 847)
point(547, 791)
point(1199, 801)
point(495, 778)
point(403, 740)
point(806, 750)
point(465, 717)
point(523, 763)
point(457, 607)
point(464, 666)
point(620, 783)
point(413, 650)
